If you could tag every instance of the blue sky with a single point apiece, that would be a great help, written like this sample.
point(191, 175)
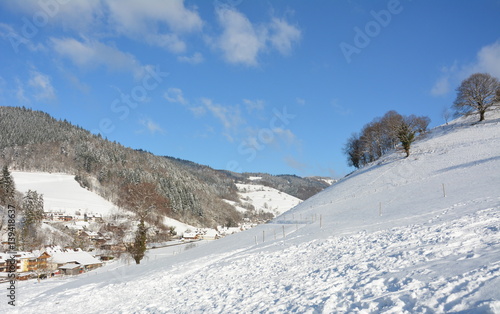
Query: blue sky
point(249, 86)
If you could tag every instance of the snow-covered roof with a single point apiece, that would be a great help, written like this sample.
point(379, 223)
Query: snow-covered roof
point(69, 266)
point(80, 257)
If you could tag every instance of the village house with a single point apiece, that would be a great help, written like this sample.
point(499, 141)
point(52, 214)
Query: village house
point(67, 260)
point(22, 265)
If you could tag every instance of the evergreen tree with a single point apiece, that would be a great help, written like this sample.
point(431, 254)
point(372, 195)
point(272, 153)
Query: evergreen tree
point(33, 208)
point(407, 136)
point(138, 248)
point(7, 187)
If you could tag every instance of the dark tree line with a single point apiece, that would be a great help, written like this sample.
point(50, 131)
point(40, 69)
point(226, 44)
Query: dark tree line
point(384, 135)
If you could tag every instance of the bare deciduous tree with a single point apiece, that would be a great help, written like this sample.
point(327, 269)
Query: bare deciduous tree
point(477, 94)
point(145, 201)
point(383, 135)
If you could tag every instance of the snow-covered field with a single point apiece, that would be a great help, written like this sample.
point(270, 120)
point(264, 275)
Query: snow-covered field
point(265, 198)
point(404, 235)
point(61, 193)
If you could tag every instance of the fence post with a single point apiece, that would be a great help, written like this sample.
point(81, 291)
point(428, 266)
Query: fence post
point(321, 221)
point(444, 191)
point(380, 208)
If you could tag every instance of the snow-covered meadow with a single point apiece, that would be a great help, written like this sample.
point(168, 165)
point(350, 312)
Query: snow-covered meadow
point(265, 198)
point(403, 235)
point(61, 193)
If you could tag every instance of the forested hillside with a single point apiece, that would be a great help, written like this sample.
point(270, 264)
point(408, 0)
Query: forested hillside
point(34, 141)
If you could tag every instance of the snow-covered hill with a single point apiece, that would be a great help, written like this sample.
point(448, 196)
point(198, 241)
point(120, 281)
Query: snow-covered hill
point(403, 235)
point(264, 198)
point(61, 193)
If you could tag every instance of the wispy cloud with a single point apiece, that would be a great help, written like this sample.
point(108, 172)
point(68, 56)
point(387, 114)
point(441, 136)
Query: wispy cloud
point(229, 116)
point(151, 126)
point(42, 86)
point(339, 109)
point(81, 16)
point(442, 86)
point(283, 35)
point(175, 95)
point(16, 40)
point(295, 164)
point(254, 105)
point(300, 101)
point(196, 58)
point(90, 53)
point(20, 92)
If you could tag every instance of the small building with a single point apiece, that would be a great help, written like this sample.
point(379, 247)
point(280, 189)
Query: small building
point(190, 235)
point(85, 261)
point(209, 234)
point(71, 269)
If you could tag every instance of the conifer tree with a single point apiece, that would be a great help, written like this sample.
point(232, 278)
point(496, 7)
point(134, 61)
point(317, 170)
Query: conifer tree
point(138, 248)
point(7, 187)
point(33, 207)
point(33, 214)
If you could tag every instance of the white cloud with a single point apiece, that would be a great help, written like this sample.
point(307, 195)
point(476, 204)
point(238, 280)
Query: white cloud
point(241, 42)
point(196, 58)
point(42, 86)
point(151, 126)
point(146, 20)
point(175, 95)
point(155, 22)
point(91, 53)
point(283, 35)
point(487, 61)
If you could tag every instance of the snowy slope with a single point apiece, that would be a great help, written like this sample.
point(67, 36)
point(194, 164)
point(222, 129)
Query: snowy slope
point(417, 234)
point(266, 198)
point(62, 193)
